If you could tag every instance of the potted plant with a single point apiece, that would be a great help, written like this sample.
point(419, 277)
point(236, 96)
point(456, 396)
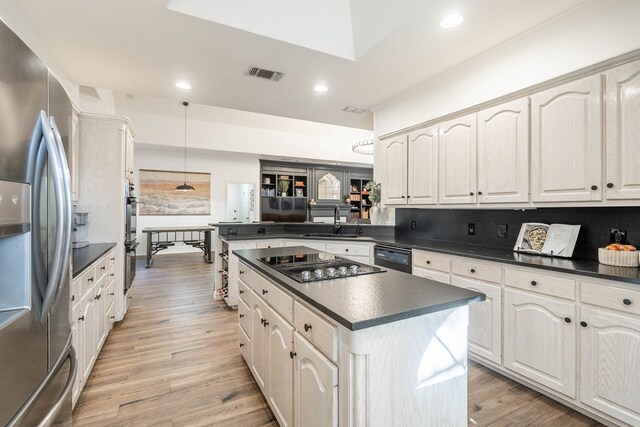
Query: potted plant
point(283, 187)
point(374, 189)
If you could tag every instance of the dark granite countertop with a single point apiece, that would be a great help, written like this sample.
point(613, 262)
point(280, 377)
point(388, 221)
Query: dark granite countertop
point(562, 265)
point(84, 257)
point(365, 301)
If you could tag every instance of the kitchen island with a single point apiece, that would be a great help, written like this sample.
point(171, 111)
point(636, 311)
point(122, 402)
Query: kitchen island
point(384, 348)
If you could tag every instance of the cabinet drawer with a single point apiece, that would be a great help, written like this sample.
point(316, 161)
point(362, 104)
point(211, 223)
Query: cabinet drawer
point(438, 276)
point(244, 273)
point(111, 315)
point(244, 292)
point(75, 290)
point(101, 267)
point(530, 280)
point(619, 299)
point(110, 293)
point(111, 258)
point(358, 258)
point(88, 280)
point(477, 270)
point(348, 249)
point(431, 261)
point(322, 334)
point(281, 302)
point(269, 243)
point(244, 316)
point(244, 342)
point(260, 286)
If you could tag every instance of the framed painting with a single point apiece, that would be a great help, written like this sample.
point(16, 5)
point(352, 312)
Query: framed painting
point(158, 195)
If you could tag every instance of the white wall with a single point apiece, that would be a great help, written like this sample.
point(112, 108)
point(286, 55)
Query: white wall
point(224, 167)
point(161, 122)
point(599, 30)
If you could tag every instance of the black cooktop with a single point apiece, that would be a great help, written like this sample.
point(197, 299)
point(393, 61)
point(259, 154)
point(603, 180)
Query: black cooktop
point(314, 267)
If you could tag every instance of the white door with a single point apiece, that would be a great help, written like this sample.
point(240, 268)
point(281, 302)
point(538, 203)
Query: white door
point(87, 331)
point(566, 127)
point(503, 153)
point(422, 184)
point(394, 189)
point(540, 340)
point(457, 148)
point(259, 344)
point(233, 202)
point(315, 392)
point(623, 132)
point(610, 364)
point(485, 320)
point(280, 368)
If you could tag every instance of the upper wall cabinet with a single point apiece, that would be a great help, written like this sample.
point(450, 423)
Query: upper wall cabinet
point(503, 153)
point(395, 154)
point(457, 148)
point(623, 132)
point(566, 135)
point(422, 182)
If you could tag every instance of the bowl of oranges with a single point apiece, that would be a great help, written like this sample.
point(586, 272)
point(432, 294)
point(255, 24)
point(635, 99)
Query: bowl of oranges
point(619, 255)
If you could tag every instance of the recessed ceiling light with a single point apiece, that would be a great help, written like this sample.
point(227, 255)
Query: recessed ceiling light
point(183, 85)
point(320, 88)
point(451, 21)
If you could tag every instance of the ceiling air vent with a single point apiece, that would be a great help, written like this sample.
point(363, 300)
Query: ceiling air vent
point(265, 74)
point(354, 110)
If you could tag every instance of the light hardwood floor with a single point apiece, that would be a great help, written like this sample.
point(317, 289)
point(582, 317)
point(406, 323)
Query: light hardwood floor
point(174, 361)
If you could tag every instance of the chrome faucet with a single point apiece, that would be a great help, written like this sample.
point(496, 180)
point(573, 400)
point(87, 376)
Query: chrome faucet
point(336, 219)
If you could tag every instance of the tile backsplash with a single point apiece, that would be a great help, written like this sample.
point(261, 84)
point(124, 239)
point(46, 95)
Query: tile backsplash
point(452, 225)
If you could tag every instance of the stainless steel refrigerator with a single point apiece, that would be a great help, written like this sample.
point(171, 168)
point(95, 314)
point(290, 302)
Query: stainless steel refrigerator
point(37, 362)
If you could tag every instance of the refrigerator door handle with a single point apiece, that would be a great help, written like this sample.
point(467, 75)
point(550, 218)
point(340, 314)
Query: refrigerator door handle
point(18, 418)
point(58, 182)
point(68, 219)
point(55, 410)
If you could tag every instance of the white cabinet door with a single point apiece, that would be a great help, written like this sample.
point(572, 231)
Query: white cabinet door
point(394, 189)
point(540, 340)
point(259, 344)
point(100, 312)
point(280, 368)
point(457, 148)
point(566, 138)
point(315, 393)
point(503, 153)
point(422, 184)
point(87, 332)
point(485, 320)
point(76, 342)
point(623, 132)
point(610, 364)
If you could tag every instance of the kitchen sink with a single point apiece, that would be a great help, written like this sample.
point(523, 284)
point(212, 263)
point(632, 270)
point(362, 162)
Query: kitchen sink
point(329, 235)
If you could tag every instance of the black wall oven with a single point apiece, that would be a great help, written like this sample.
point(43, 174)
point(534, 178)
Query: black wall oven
point(130, 242)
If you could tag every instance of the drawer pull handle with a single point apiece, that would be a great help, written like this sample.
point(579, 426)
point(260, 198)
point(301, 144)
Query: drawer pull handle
point(241, 345)
point(534, 283)
point(583, 324)
point(103, 268)
point(241, 271)
point(473, 270)
point(112, 317)
point(112, 259)
point(428, 262)
point(594, 187)
point(610, 185)
point(112, 293)
point(346, 250)
point(567, 320)
point(112, 274)
point(241, 292)
point(81, 319)
point(292, 354)
point(241, 316)
point(264, 292)
point(471, 194)
point(73, 297)
point(307, 327)
point(98, 296)
point(266, 323)
point(90, 279)
point(479, 193)
point(262, 320)
point(626, 301)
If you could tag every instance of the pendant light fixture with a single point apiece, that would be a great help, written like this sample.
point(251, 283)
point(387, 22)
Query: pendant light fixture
point(184, 186)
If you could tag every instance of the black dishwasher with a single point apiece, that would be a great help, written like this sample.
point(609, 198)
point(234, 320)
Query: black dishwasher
point(392, 257)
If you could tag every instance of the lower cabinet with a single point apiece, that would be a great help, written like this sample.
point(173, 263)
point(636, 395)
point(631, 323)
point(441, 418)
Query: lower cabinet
point(91, 316)
point(610, 364)
point(540, 340)
point(315, 386)
point(259, 343)
point(485, 320)
point(280, 388)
